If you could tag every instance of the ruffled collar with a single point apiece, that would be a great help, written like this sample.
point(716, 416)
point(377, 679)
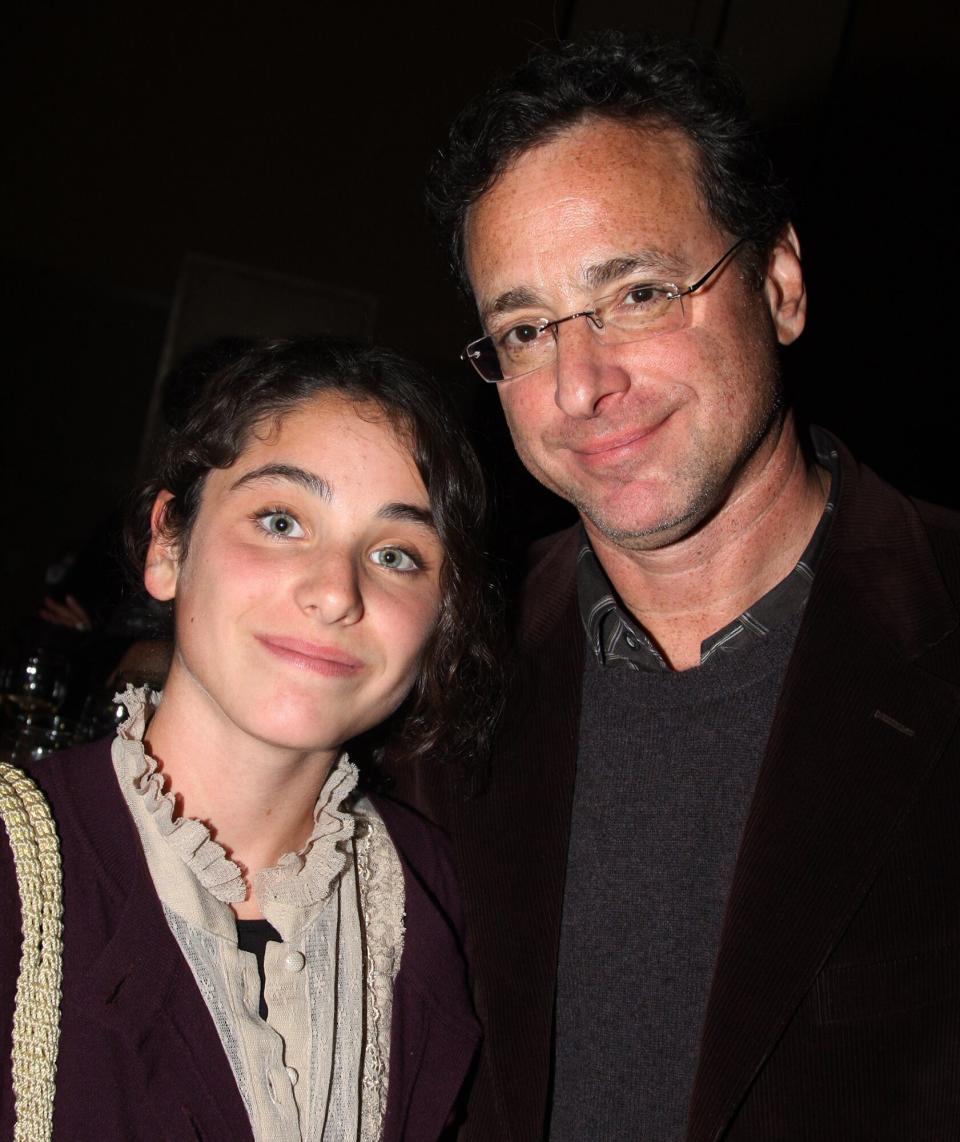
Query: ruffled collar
point(298, 879)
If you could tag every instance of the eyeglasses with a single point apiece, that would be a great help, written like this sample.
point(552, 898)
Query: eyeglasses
point(633, 313)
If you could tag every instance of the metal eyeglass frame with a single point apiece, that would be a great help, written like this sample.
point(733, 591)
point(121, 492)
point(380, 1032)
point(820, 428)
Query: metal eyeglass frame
point(471, 353)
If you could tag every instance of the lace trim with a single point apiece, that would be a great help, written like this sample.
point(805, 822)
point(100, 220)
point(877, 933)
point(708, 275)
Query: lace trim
point(310, 875)
point(382, 902)
point(298, 879)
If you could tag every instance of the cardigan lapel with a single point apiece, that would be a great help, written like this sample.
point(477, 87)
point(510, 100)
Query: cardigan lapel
point(139, 987)
point(141, 991)
point(859, 728)
point(433, 1032)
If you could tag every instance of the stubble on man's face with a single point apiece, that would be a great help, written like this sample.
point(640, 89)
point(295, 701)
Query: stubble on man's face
point(711, 487)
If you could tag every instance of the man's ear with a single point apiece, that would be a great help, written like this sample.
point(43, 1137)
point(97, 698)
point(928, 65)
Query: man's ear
point(162, 567)
point(784, 288)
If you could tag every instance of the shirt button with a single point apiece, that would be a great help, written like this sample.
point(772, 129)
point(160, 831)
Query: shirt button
point(631, 641)
point(294, 961)
point(292, 1075)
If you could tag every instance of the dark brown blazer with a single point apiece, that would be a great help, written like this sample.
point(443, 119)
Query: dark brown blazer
point(140, 1057)
point(835, 1006)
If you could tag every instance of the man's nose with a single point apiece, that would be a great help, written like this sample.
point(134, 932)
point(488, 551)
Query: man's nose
point(329, 589)
point(587, 374)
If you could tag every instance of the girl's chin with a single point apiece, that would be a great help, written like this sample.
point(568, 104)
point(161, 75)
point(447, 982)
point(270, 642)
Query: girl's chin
point(287, 734)
point(298, 742)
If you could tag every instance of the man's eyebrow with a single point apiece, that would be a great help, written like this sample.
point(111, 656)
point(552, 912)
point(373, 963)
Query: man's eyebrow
point(652, 261)
point(657, 263)
point(408, 513)
point(509, 300)
point(313, 483)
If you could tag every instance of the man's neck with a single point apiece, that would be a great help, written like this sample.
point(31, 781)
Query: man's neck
point(686, 590)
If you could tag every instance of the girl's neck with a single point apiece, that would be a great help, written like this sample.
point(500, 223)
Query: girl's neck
point(257, 799)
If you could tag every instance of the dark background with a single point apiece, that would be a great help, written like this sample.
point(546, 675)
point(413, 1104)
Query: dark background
point(293, 137)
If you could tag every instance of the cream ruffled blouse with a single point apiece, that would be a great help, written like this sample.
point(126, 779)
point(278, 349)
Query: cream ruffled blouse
point(338, 905)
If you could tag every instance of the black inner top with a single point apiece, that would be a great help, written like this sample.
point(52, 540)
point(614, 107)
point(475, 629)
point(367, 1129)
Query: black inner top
point(253, 936)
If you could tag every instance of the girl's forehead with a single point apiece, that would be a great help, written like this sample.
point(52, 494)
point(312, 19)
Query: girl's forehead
point(344, 443)
point(325, 414)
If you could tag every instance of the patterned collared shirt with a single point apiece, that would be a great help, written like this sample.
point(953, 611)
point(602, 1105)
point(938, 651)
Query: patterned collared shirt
point(619, 640)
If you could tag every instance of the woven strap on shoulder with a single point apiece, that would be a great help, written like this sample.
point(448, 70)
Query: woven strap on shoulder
point(36, 1017)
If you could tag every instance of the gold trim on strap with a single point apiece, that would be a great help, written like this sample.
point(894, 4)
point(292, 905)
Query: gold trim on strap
point(36, 1016)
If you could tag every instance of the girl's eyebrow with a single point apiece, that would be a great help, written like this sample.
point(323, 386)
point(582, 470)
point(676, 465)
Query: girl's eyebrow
point(318, 486)
point(408, 512)
point(313, 483)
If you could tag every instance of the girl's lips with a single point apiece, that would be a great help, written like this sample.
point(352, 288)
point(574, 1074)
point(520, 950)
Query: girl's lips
point(312, 656)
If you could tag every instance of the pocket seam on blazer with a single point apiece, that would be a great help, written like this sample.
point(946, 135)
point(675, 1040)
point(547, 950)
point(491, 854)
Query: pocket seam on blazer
point(855, 992)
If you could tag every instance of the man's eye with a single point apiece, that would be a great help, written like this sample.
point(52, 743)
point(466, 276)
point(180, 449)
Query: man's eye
point(281, 524)
point(642, 295)
point(521, 335)
point(394, 559)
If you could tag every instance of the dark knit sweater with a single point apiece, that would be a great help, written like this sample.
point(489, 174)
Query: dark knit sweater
point(666, 768)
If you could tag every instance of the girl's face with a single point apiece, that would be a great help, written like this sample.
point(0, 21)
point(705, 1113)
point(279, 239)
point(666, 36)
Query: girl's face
point(311, 583)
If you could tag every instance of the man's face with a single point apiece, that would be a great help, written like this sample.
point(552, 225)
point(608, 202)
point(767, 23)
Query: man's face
point(645, 439)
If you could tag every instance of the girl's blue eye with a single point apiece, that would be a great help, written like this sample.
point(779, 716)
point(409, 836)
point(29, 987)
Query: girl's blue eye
point(394, 559)
point(281, 524)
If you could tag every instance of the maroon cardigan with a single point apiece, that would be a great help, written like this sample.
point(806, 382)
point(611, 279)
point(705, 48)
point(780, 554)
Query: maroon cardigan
point(834, 1011)
point(140, 1057)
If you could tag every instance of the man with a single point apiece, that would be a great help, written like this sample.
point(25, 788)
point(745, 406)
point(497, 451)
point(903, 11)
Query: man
point(713, 876)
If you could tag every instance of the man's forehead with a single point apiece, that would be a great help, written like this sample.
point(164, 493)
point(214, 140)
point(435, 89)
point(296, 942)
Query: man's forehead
point(595, 144)
point(634, 207)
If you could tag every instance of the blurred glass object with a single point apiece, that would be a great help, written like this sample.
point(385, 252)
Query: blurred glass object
point(103, 712)
point(32, 736)
point(34, 682)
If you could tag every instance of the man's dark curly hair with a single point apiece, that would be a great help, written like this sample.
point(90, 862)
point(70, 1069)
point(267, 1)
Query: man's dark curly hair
point(455, 700)
point(650, 82)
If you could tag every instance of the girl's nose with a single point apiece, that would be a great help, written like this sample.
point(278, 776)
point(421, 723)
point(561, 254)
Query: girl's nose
point(330, 590)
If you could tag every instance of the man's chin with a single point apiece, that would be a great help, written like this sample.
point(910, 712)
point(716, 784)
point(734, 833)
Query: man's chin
point(635, 528)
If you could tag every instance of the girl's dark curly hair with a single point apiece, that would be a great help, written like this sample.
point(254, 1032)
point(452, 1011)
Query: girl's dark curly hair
point(646, 81)
point(456, 698)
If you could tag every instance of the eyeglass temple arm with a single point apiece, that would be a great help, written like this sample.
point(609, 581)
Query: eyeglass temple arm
point(713, 269)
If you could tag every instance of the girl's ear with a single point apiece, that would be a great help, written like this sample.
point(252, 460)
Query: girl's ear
point(163, 561)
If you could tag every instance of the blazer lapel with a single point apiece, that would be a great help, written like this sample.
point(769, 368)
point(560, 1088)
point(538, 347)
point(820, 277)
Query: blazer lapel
point(520, 822)
point(859, 728)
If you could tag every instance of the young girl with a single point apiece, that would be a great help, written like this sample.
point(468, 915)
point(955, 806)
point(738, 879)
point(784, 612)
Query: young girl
point(252, 947)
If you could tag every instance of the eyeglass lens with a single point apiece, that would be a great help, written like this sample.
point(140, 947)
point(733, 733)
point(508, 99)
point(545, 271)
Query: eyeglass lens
point(633, 314)
point(630, 315)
